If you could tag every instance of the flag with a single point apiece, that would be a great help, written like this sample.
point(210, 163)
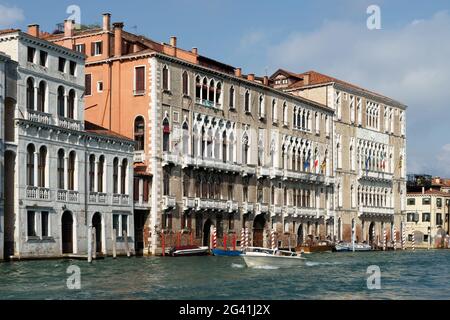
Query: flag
point(306, 164)
point(323, 165)
point(316, 163)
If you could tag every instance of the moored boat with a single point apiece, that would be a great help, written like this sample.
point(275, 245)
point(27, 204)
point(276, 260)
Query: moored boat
point(347, 246)
point(229, 253)
point(317, 247)
point(188, 251)
point(258, 257)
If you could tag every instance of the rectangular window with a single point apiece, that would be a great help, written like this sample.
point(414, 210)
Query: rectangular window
point(411, 201)
point(72, 67)
point(125, 224)
point(426, 217)
point(116, 225)
point(45, 224)
point(31, 53)
point(219, 222)
point(43, 58)
point(231, 221)
point(136, 189)
point(439, 219)
point(425, 238)
point(426, 201)
point(31, 223)
point(439, 202)
point(100, 86)
point(198, 225)
point(81, 48)
point(61, 64)
point(96, 48)
point(139, 80)
point(410, 217)
point(87, 84)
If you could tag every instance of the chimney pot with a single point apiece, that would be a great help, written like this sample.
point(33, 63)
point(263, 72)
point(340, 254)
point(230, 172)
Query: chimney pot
point(266, 80)
point(33, 30)
point(173, 41)
point(194, 50)
point(238, 72)
point(251, 77)
point(106, 21)
point(306, 79)
point(68, 28)
point(118, 26)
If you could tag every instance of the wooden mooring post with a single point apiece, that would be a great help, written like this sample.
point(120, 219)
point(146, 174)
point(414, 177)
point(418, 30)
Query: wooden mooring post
point(94, 244)
point(89, 240)
point(127, 247)
point(114, 242)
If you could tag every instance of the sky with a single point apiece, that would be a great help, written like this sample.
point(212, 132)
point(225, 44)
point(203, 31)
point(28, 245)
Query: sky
point(408, 59)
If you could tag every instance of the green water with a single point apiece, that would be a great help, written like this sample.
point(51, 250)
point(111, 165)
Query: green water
point(404, 275)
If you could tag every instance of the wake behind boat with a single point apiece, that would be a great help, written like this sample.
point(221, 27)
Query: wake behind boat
point(188, 251)
point(257, 257)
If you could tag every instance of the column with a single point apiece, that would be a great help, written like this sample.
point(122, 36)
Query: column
point(119, 189)
point(35, 98)
point(95, 189)
point(36, 165)
point(66, 97)
point(66, 173)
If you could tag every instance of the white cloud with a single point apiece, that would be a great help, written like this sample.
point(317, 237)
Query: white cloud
point(409, 63)
point(10, 15)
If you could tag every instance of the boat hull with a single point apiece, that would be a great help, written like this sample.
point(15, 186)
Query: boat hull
point(253, 261)
point(228, 253)
point(184, 252)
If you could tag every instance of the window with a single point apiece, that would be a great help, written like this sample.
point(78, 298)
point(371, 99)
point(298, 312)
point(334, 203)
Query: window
point(218, 93)
point(186, 222)
point(71, 171)
point(219, 222)
point(30, 94)
point(60, 169)
point(231, 221)
point(99, 86)
point(439, 219)
point(185, 81)
point(232, 97)
point(72, 67)
point(71, 105)
point(230, 191)
point(165, 78)
point(262, 107)
point(30, 165)
point(43, 58)
point(285, 114)
point(31, 224)
point(139, 133)
point(426, 217)
point(166, 135)
point(125, 224)
point(426, 200)
point(42, 166)
point(61, 64)
point(45, 230)
point(247, 101)
point(274, 111)
point(81, 48)
point(87, 84)
point(30, 54)
point(101, 168)
point(116, 224)
point(439, 202)
point(198, 225)
point(41, 96)
point(96, 48)
point(410, 217)
point(61, 98)
point(116, 176)
point(167, 221)
point(166, 181)
point(139, 80)
point(123, 177)
point(411, 201)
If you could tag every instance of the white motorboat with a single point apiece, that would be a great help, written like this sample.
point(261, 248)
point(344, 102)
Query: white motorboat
point(258, 257)
point(347, 246)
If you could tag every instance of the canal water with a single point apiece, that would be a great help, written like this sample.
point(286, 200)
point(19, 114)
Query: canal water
point(404, 275)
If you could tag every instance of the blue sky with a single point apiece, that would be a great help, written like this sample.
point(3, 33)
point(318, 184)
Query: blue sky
point(408, 59)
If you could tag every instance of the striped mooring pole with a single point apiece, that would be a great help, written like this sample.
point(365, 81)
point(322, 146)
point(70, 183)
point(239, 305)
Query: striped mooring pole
point(246, 238)
point(413, 241)
point(272, 238)
point(384, 239)
point(394, 238)
point(242, 238)
point(403, 237)
point(373, 238)
point(214, 238)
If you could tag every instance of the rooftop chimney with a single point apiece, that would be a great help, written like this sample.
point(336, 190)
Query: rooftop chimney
point(33, 30)
point(423, 190)
point(194, 50)
point(173, 41)
point(266, 80)
point(238, 72)
point(118, 26)
point(306, 79)
point(107, 22)
point(251, 77)
point(68, 28)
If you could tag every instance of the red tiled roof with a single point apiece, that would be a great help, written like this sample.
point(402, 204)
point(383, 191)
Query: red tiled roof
point(429, 192)
point(94, 128)
point(6, 31)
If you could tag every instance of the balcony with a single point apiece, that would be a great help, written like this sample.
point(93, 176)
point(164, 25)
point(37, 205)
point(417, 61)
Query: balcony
point(123, 199)
point(67, 196)
point(246, 170)
point(232, 206)
point(375, 175)
point(276, 173)
point(262, 172)
point(139, 156)
point(169, 202)
point(37, 116)
point(275, 210)
point(38, 193)
point(304, 176)
point(210, 163)
point(375, 211)
point(261, 208)
point(307, 212)
point(288, 210)
point(247, 207)
point(97, 197)
point(70, 124)
point(188, 203)
point(221, 205)
point(169, 158)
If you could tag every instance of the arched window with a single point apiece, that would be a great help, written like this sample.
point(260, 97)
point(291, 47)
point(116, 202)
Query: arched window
point(231, 148)
point(71, 171)
point(123, 176)
point(185, 139)
point(100, 170)
point(231, 97)
point(61, 169)
point(42, 166)
point(274, 111)
point(185, 83)
point(41, 96)
point(198, 88)
point(166, 135)
point(166, 181)
point(247, 101)
point(245, 149)
point(61, 101)
point(139, 133)
point(262, 111)
point(224, 146)
point(165, 78)
point(116, 176)
point(211, 91)
point(218, 93)
point(272, 195)
point(71, 104)
point(30, 164)
point(30, 94)
point(285, 114)
point(91, 173)
point(205, 89)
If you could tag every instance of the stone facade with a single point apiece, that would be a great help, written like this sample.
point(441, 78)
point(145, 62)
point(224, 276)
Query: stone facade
point(65, 176)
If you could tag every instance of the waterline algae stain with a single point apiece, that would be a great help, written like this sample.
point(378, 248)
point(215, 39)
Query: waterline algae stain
point(403, 275)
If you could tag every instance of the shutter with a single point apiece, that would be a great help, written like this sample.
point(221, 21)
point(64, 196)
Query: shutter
point(83, 48)
point(87, 84)
point(92, 48)
point(140, 79)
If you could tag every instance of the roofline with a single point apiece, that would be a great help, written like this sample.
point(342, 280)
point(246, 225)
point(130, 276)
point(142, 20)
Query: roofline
point(222, 74)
